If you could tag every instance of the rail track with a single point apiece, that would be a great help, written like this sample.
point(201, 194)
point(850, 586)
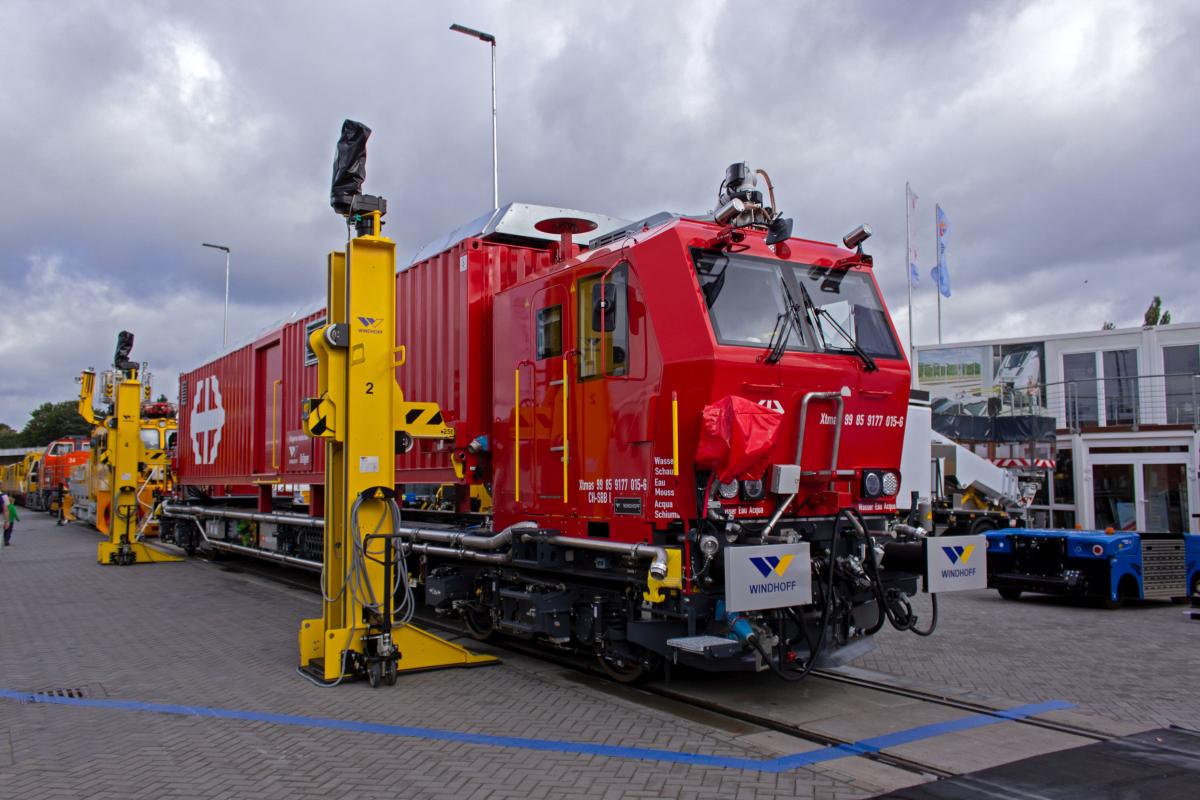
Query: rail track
point(581, 665)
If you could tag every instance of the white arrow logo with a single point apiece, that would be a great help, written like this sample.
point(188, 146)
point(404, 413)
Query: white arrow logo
point(207, 420)
point(772, 405)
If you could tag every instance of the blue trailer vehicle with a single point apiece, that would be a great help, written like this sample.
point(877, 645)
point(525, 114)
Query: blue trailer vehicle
point(1110, 567)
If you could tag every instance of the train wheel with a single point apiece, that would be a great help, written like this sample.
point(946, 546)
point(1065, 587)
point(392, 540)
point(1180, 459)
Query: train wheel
point(479, 623)
point(626, 668)
point(1010, 594)
point(621, 670)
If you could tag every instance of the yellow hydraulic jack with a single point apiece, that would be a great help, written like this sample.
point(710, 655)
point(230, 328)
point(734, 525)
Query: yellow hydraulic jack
point(363, 418)
point(125, 459)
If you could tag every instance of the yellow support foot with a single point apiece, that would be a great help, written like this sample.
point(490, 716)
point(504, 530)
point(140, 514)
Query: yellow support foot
point(136, 553)
point(322, 652)
point(420, 649)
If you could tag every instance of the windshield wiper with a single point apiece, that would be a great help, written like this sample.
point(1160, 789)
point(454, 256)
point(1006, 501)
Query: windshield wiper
point(868, 362)
point(775, 348)
point(792, 318)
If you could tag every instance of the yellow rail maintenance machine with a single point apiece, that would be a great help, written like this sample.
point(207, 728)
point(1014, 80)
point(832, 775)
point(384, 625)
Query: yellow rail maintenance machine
point(123, 451)
point(361, 414)
point(91, 483)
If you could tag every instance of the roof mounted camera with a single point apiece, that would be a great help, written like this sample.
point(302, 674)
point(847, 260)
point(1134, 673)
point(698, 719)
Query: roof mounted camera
point(349, 172)
point(740, 203)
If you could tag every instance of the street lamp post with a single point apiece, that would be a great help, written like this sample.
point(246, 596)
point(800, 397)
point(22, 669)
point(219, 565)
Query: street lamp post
point(491, 40)
point(225, 334)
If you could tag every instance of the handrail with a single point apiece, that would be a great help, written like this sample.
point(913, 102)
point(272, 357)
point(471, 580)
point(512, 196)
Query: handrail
point(1171, 398)
point(674, 433)
point(837, 440)
point(566, 430)
point(517, 433)
point(275, 423)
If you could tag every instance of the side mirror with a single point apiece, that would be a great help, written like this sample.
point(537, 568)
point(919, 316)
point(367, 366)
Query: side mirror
point(780, 230)
point(604, 308)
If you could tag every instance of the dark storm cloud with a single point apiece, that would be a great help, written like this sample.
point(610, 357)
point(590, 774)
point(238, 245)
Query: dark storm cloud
point(1058, 136)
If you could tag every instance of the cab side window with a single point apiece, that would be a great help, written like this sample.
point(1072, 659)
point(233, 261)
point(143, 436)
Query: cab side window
point(604, 324)
point(549, 332)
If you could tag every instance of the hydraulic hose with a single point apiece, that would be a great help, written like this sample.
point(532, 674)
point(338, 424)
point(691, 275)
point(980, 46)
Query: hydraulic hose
point(815, 648)
point(361, 590)
point(909, 623)
point(933, 619)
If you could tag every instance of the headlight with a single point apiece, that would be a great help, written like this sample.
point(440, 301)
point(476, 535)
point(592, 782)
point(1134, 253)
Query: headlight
point(891, 484)
point(871, 484)
point(752, 490)
point(728, 491)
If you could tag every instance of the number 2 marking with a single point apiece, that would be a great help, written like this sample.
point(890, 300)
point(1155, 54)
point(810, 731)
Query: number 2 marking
point(370, 388)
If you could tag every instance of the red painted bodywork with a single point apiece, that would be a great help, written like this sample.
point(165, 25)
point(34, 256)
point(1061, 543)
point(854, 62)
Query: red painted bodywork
point(467, 318)
point(56, 469)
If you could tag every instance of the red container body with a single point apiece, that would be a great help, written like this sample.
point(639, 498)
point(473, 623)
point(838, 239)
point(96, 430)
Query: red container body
point(253, 395)
point(601, 454)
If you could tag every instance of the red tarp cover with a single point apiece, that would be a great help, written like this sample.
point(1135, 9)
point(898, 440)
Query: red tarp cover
point(736, 436)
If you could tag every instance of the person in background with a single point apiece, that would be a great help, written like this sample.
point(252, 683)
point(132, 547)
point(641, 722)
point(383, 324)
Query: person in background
point(62, 506)
point(8, 513)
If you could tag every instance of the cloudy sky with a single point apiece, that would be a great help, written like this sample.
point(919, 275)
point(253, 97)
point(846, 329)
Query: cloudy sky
point(1060, 138)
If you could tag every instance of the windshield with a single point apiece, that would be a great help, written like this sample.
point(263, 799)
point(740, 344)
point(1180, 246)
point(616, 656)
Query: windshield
point(150, 439)
point(850, 301)
point(748, 299)
point(745, 300)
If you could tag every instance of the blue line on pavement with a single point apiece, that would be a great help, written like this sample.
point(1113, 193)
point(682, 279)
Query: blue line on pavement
point(781, 764)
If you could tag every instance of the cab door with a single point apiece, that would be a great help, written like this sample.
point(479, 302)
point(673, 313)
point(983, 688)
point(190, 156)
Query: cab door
point(551, 420)
point(268, 380)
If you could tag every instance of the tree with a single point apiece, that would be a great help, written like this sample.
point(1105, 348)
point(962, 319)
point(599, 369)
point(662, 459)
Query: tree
point(1155, 314)
point(9, 436)
point(1108, 326)
point(50, 421)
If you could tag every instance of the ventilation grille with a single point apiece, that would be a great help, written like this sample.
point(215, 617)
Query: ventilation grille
point(75, 692)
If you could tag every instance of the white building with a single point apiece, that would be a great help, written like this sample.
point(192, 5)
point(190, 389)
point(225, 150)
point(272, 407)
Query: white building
point(1126, 418)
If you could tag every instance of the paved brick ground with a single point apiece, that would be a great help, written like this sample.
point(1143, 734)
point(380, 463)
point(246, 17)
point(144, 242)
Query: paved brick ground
point(190, 634)
point(1140, 663)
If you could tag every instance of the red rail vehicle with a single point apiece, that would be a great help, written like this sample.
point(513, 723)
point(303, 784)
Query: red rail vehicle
point(58, 460)
point(704, 393)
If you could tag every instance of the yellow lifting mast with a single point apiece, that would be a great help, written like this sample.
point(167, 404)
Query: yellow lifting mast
point(361, 415)
point(124, 456)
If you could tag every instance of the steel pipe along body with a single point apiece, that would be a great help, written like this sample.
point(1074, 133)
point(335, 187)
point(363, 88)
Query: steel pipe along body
point(657, 555)
point(192, 512)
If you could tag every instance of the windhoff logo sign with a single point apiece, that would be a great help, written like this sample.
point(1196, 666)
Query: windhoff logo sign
point(954, 563)
point(770, 576)
point(371, 325)
point(959, 556)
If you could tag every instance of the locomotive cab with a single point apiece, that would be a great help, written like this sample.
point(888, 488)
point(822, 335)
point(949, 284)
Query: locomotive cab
point(605, 366)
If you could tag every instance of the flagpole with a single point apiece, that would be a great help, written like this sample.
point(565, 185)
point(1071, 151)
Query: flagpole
point(908, 276)
point(938, 251)
point(939, 316)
